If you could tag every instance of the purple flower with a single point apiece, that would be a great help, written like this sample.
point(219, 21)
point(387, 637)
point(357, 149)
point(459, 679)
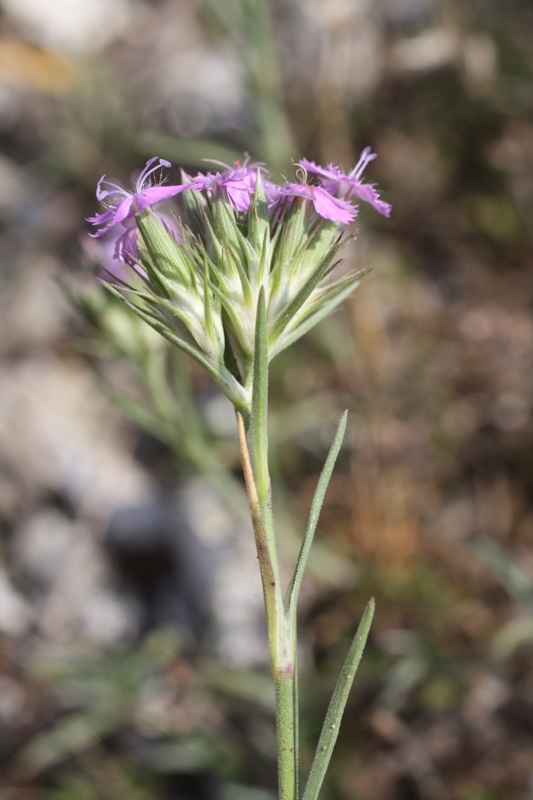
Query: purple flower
point(116, 253)
point(121, 204)
point(335, 181)
point(323, 201)
point(126, 250)
point(238, 182)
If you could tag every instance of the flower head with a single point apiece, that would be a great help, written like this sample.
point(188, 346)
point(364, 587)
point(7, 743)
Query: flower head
point(121, 204)
point(246, 240)
point(336, 182)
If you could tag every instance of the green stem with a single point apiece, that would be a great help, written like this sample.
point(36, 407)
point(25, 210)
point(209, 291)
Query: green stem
point(286, 729)
point(266, 556)
point(282, 646)
point(257, 436)
point(281, 640)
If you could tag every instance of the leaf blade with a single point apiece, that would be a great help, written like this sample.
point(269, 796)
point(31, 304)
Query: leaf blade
point(330, 729)
point(316, 506)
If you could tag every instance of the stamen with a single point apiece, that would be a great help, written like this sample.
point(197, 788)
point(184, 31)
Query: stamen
point(102, 194)
point(366, 156)
point(143, 179)
point(214, 161)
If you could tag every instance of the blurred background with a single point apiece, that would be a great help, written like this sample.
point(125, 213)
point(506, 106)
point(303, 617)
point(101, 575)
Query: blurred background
point(132, 648)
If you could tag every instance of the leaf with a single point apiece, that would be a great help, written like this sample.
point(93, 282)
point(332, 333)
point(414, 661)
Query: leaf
point(316, 507)
point(330, 729)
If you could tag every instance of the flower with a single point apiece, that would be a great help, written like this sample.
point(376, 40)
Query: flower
point(238, 182)
point(325, 204)
point(335, 181)
point(122, 205)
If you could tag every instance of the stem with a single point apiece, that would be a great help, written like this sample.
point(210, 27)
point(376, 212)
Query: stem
point(282, 646)
point(286, 729)
point(267, 566)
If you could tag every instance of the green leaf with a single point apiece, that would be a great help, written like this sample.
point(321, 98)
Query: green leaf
point(330, 729)
point(316, 506)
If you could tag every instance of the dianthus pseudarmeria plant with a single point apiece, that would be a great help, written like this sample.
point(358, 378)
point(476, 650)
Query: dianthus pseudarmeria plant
point(246, 270)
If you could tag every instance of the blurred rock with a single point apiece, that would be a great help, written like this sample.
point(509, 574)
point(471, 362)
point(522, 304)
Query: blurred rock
point(59, 434)
point(73, 26)
point(41, 547)
point(16, 614)
point(14, 703)
point(429, 50)
point(193, 565)
point(34, 309)
point(15, 187)
point(75, 593)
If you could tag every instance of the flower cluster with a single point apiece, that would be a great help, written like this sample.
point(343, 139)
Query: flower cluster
point(198, 276)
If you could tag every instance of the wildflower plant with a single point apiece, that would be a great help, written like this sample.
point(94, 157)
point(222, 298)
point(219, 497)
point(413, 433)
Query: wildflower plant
point(245, 270)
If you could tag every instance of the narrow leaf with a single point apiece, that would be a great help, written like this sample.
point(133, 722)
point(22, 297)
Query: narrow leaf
point(316, 507)
point(330, 729)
